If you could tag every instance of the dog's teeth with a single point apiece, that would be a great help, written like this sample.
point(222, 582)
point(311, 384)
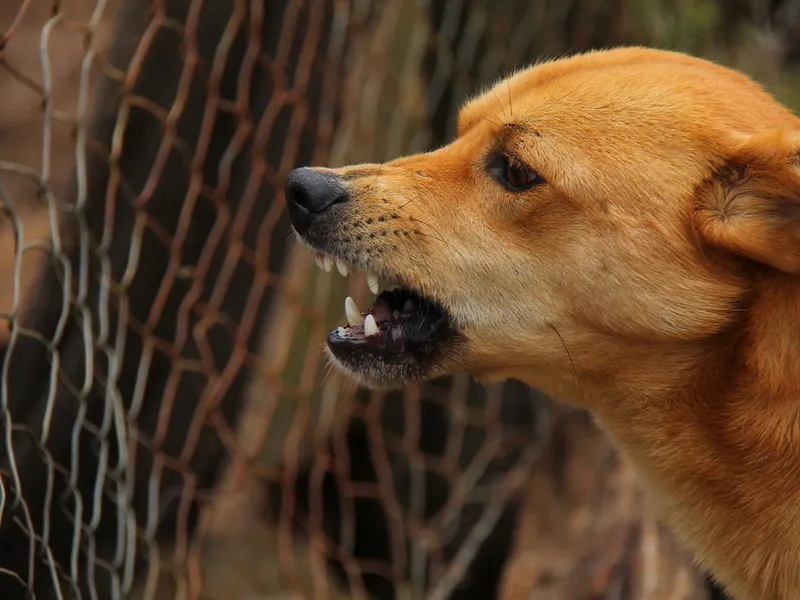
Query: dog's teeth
point(409, 306)
point(342, 266)
point(318, 260)
point(340, 331)
point(353, 314)
point(373, 283)
point(370, 326)
point(327, 263)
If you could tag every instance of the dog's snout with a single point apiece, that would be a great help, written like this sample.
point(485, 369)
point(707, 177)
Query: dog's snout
point(310, 193)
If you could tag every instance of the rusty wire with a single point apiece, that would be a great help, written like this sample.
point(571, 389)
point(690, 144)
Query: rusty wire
point(96, 317)
point(163, 389)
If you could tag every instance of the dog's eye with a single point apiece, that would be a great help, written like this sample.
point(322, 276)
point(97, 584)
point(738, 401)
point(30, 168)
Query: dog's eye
point(513, 174)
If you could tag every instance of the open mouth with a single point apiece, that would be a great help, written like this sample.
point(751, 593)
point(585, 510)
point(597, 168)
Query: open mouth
point(399, 338)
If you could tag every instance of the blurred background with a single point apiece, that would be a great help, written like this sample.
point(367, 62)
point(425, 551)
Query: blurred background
point(170, 426)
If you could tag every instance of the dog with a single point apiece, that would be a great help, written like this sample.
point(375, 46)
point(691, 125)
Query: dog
point(620, 229)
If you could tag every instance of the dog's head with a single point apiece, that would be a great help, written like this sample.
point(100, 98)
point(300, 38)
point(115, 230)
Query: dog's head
point(590, 208)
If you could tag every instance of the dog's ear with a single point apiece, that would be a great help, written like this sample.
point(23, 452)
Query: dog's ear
point(751, 204)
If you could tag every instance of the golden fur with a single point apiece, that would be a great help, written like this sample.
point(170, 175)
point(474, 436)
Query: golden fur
point(651, 278)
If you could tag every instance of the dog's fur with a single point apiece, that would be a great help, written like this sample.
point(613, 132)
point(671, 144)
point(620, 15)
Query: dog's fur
point(652, 277)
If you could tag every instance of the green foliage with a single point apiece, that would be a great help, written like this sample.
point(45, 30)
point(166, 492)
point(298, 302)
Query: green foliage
point(687, 25)
point(701, 28)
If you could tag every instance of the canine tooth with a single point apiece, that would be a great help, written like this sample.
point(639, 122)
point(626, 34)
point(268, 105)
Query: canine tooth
point(370, 326)
point(318, 260)
point(373, 283)
point(409, 306)
point(340, 331)
point(342, 266)
point(327, 263)
point(353, 314)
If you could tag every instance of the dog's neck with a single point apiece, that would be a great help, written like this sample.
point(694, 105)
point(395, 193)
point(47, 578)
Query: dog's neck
point(717, 433)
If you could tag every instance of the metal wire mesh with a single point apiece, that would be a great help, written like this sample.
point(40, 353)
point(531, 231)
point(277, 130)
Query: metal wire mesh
point(170, 429)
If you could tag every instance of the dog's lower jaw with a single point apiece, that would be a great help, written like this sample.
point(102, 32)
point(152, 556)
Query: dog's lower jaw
point(370, 377)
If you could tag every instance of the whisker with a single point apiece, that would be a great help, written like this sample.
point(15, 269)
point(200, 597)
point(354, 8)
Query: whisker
point(416, 220)
point(402, 206)
point(439, 238)
point(571, 362)
point(493, 122)
point(436, 237)
point(329, 368)
point(496, 97)
point(378, 174)
point(425, 316)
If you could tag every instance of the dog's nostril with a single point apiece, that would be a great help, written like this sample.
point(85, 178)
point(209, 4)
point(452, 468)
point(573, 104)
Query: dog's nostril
point(310, 192)
point(314, 190)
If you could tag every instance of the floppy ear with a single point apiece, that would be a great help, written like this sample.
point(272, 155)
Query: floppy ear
point(751, 204)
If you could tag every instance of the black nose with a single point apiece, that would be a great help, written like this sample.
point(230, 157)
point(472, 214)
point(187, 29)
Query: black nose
point(310, 193)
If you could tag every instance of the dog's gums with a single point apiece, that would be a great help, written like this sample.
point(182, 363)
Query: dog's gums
point(397, 339)
point(621, 230)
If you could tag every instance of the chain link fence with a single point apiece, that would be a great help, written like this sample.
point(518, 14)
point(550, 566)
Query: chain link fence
point(170, 428)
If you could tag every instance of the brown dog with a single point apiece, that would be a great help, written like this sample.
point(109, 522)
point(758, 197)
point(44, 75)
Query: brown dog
point(622, 230)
